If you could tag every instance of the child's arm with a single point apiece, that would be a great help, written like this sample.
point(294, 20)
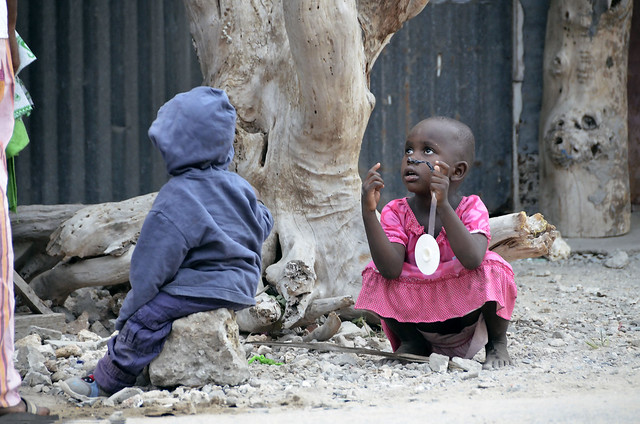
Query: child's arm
point(387, 256)
point(470, 249)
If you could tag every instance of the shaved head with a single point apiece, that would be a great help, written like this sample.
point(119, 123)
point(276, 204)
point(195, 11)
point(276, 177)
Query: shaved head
point(464, 137)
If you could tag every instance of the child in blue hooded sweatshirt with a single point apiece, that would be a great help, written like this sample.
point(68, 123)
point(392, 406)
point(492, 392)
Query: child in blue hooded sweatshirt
point(200, 245)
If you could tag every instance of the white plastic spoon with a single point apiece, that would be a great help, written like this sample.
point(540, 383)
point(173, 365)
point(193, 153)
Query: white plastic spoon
point(427, 250)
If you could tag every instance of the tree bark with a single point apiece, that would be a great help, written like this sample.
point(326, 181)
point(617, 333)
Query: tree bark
point(101, 229)
point(66, 277)
point(583, 146)
point(37, 222)
point(517, 236)
point(298, 74)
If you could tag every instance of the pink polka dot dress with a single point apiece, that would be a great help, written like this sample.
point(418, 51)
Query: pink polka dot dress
point(452, 291)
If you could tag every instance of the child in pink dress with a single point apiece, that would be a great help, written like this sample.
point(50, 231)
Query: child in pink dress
point(466, 304)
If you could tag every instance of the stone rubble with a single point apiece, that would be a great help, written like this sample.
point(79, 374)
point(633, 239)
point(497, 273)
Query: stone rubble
point(568, 330)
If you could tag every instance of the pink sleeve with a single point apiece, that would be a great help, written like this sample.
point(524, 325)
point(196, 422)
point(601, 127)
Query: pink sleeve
point(475, 216)
point(392, 224)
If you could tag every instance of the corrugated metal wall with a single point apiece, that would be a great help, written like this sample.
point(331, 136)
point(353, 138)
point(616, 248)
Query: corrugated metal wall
point(103, 70)
point(453, 59)
point(105, 67)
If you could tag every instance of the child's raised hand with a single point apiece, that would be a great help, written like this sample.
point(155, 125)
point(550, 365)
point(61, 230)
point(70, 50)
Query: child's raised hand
point(440, 182)
point(371, 187)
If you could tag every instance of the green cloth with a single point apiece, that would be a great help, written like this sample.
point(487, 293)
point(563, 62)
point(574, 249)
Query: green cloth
point(19, 141)
point(22, 106)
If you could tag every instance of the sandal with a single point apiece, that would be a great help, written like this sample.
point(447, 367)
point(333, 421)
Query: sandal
point(29, 408)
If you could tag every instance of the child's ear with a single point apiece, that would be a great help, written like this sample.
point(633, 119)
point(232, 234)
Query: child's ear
point(460, 171)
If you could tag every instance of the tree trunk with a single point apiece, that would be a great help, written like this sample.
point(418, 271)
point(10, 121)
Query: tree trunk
point(583, 123)
point(298, 74)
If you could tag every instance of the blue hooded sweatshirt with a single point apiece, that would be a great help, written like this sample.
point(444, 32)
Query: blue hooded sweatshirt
point(203, 236)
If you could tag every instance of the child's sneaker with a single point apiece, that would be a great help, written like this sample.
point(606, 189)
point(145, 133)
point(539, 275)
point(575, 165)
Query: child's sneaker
point(82, 388)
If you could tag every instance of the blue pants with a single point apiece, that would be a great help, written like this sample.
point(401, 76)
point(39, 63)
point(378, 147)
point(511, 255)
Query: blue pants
point(143, 335)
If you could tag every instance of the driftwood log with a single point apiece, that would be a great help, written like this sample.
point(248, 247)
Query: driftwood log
point(94, 245)
point(518, 236)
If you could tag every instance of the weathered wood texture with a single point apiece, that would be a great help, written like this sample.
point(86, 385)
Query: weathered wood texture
point(584, 179)
point(517, 236)
point(298, 74)
point(101, 229)
point(633, 86)
point(37, 222)
point(28, 295)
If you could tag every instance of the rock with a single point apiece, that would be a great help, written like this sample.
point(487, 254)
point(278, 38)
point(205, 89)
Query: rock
point(202, 348)
point(263, 350)
point(345, 359)
point(30, 359)
point(135, 401)
point(559, 249)
point(468, 365)
point(341, 340)
point(88, 336)
point(438, 363)
point(557, 343)
point(350, 330)
point(99, 329)
point(92, 302)
point(124, 394)
point(57, 344)
point(81, 323)
point(51, 365)
point(33, 378)
point(45, 333)
point(618, 260)
point(30, 340)
point(69, 350)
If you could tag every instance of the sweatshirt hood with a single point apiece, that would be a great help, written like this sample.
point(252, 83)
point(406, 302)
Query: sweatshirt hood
point(195, 129)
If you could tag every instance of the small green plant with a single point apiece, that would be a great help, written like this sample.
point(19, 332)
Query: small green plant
point(596, 343)
point(360, 321)
point(264, 360)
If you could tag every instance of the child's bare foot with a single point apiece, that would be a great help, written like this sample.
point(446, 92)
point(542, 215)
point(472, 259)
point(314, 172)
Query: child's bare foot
point(497, 355)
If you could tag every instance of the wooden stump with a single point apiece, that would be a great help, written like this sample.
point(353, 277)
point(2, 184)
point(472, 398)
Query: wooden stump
point(584, 178)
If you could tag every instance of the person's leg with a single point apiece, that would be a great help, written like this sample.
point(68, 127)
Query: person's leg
point(411, 340)
point(142, 338)
point(10, 400)
point(497, 355)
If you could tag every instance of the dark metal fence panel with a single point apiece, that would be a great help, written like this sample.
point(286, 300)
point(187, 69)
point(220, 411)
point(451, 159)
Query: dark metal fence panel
point(453, 59)
point(534, 30)
point(103, 70)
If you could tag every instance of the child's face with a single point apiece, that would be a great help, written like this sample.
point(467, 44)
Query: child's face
point(431, 141)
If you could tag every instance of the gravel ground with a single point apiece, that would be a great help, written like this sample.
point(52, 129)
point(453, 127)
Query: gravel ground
point(574, 339)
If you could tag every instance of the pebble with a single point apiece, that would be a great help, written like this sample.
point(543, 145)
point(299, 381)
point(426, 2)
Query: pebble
point(618, 260)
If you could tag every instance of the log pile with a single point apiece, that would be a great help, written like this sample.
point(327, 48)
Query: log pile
point(62, 248)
